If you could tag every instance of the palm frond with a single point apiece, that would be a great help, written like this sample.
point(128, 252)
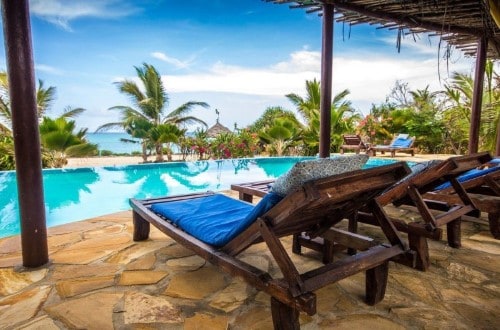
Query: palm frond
point(190, 120)
point(72, 113)
point(109, 126)
point(186, 108)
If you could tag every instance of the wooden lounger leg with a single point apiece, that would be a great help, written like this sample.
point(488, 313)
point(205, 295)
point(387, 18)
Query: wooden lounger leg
point(376, 283)
point(353, 228)
point(296, 247)
point(141, 228)
point(245, 197)
point(494, 221)
point(284, 316)
point(454, 234)
point(418, 243)
point(328, 248)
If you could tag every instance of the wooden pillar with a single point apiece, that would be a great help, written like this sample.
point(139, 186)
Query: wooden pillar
point(326, 81)
point(477, 95)
point(20, 68)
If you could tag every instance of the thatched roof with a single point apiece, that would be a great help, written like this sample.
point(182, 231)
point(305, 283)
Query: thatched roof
point(217, 129)
point(459, 22)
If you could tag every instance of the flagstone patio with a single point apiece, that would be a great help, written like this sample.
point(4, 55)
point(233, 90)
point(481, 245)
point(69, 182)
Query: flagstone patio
point(99, 278)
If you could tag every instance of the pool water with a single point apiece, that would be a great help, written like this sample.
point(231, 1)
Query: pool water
point(82, 193)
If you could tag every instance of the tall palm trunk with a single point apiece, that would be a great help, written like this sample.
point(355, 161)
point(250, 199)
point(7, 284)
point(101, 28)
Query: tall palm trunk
point(159, 152)
point(144, 151)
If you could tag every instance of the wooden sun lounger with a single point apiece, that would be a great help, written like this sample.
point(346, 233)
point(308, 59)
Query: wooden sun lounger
point(352, 142)
point(372, 150)
point(453, 208)
point(411, 191)
point(484, 191)
point(313, 208)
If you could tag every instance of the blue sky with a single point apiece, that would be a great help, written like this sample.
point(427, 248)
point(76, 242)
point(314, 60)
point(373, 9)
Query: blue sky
point(238, 56)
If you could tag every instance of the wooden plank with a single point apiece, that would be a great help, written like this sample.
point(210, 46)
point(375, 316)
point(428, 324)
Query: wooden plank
point(349, 239)
point(348, 266)
point(284, 262)
point(484, 203)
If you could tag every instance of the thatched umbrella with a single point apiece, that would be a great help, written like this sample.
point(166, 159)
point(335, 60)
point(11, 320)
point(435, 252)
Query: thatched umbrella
point(217, 129)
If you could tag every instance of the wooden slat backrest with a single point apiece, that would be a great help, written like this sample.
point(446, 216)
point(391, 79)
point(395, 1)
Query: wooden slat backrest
point(318, 204)
point(433, 177)
point(352, 139)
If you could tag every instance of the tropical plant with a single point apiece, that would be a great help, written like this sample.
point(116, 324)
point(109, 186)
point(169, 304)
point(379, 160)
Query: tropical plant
point(7, 159)
point(165, 133)
point(59, 139)
point(280, 136)
point(51, 156)
point(269, 115)
point(149, 103)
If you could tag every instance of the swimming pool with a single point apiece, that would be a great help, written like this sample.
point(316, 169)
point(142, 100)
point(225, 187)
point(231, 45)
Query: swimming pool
point(82, 193)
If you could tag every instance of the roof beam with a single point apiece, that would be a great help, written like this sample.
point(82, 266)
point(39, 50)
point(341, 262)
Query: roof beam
point(414, 22)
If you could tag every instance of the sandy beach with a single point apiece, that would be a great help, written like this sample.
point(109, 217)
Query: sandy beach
point(110, 161)
point(134, 160)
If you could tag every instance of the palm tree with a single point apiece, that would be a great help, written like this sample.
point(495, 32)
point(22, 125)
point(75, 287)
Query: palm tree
point(44, 99)
point(311, 104)
point(458, 112)
point(148, 110)
point(343, 116)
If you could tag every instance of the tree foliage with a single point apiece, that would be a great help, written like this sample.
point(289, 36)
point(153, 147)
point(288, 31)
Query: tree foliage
point(143, 119)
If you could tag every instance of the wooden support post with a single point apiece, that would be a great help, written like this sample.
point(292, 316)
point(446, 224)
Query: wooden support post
point(418, 244)
point(141, 227)
point(296, 246)
point(453, 233)
point(245, 197)
point(20, 68)
point(284, 316)
point(353, 228)
point(328, 249)
point(376, 283)
point(326, 81)
point(494, 221)
point(477, 95)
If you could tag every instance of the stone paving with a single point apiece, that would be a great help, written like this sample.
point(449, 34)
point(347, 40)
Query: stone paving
point(99, 278)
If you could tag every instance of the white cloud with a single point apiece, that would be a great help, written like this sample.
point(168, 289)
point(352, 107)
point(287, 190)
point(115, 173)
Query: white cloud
point(243, 93)
point(62, 12)
point(369, 81)
point(172, 60)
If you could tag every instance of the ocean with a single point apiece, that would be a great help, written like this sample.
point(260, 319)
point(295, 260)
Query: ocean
point(113, 142)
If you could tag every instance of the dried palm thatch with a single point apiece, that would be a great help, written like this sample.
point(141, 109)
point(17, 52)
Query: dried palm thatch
point(217, 129)
point(458, 22)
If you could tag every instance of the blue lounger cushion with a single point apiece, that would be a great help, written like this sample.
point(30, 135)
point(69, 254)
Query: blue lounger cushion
point(401, 143)
point(472, 174)
point(214, 219)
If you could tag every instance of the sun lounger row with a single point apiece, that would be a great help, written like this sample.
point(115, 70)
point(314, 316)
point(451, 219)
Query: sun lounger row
point(401, 143)
point(308, 206)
